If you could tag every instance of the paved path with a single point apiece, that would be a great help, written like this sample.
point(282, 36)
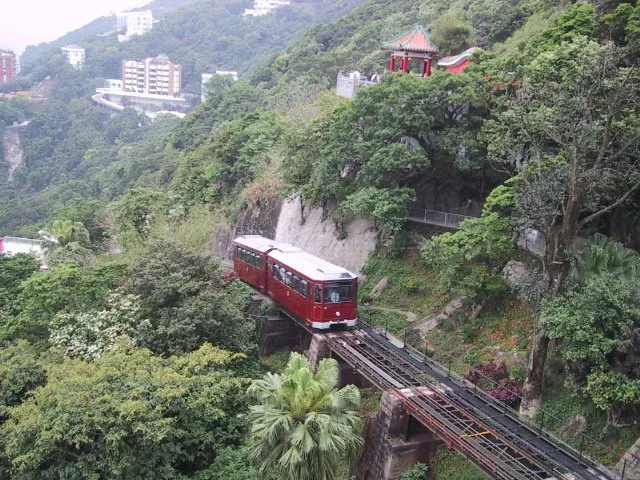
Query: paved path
point(411, 317)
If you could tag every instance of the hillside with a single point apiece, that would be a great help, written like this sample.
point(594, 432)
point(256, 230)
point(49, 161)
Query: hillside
point(537, 138)
point(202, 36)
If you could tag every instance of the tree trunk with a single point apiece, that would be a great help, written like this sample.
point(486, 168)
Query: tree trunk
point(532, 389)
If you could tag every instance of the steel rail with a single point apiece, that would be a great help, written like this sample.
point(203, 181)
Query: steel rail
point(491, 453)
point(480, 427)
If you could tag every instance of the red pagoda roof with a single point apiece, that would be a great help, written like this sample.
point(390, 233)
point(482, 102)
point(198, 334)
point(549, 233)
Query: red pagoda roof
point(415, 40)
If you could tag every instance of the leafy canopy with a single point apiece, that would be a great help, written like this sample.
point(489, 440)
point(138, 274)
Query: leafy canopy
point(129, 414)
point(302, 427)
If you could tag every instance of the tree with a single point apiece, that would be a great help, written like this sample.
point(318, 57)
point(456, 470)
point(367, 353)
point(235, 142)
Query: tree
point(591, 322)
point(399, 134)
point(471, 260)
point(13, 270)
point(65, 287)
point(129, 414)
point(91, 333)
point(303, 428)
point(387, 207)
point(20, 372)
point(64, 232)
point(614, 392)
point(604, 256)
point(135, 211)
point(88, 212)
point(187, 303)
point(452, 34)
point(574, 122)
point(597, 322)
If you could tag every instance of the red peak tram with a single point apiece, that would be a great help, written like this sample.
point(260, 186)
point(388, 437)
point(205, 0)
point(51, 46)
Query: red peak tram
point(316, 291)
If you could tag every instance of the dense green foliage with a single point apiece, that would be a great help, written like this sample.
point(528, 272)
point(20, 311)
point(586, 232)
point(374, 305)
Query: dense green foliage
point(302, 426)
point(201, 36)
point(370, 155)
point(106, 363)
point(129, 414)
point(471, 260)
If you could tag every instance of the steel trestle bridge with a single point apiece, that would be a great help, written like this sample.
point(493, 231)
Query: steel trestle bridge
point(486, 431)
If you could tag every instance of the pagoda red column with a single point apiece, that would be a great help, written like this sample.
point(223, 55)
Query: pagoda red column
point(404, 66)
point(426, 69)
point(392, 63)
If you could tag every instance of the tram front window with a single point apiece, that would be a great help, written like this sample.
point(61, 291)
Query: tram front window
point(338, 292)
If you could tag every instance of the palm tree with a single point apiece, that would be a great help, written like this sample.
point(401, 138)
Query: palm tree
point(64, 232)
point(303, 428)
point(604, 256)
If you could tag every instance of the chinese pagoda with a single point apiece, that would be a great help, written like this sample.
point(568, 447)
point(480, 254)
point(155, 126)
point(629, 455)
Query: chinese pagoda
point(413, 45)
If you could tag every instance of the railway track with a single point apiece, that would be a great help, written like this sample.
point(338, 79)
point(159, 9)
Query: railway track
point(483, 429)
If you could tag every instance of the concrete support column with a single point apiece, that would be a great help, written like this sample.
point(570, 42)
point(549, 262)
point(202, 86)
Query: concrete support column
point(277, 331)
point(389, 449)
point(318, 350)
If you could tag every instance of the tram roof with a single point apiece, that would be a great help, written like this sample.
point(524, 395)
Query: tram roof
point(311, 266)
point(262, 244)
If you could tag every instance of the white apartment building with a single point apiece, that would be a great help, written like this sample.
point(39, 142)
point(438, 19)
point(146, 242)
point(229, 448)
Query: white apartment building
point(155, 76)
point(262, 7)
point(206, 77)
point(74, 55)
point(133, 23)
point(113, 83)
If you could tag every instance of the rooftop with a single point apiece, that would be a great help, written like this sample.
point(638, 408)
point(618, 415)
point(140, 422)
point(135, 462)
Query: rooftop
point(311, 266)
point(415, 40)
point(263, 245)
point(454, 60)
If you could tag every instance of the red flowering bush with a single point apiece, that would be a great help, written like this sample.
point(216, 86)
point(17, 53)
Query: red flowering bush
point(494, 378)
point(228, 276)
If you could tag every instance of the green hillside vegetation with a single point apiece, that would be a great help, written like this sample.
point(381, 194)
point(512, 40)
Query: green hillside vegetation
point(201, 36)
point(131, 356)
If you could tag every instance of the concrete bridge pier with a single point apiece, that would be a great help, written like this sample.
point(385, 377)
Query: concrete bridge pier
point(394, 441)
point(319, 349)
point(277, 331)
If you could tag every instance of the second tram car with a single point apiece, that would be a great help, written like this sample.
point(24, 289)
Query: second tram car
point(316, 291)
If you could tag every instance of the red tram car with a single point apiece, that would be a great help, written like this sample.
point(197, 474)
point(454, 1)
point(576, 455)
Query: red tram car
point(314, 290)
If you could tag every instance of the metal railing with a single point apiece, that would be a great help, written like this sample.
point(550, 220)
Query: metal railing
point(535, 426)
point(433, 217)
point(531, 240)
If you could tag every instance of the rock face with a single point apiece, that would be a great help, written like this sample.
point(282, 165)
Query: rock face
point(515, 274)
point(321, 238)
point(630, 462)
point(576, 426)
point(12, 150)
point(254, 220)
point(380, 287)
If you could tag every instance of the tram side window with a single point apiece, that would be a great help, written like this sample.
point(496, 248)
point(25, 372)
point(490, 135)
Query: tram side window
point(318, 294)
point(277, 273)
point(295, 283)
point(288, 279)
